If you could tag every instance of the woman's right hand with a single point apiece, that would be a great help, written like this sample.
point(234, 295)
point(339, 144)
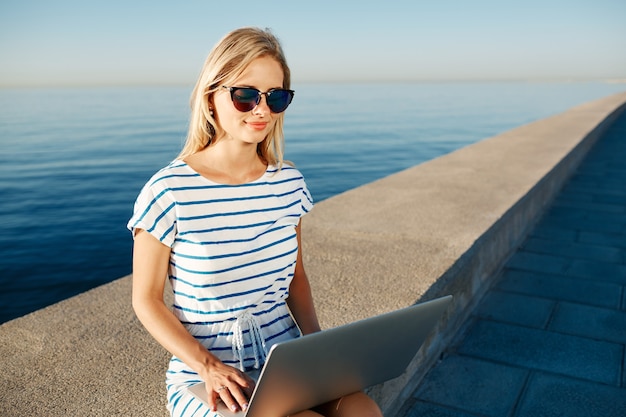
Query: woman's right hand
point(230, 385)
point(150, 268)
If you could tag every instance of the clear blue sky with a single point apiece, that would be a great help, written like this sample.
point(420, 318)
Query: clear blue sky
point(66, 42)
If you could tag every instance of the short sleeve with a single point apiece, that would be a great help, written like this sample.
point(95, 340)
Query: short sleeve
point(306, 199)
point(155, 212)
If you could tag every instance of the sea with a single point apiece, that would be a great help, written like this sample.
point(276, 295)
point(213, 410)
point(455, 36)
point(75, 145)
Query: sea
point(72, 160)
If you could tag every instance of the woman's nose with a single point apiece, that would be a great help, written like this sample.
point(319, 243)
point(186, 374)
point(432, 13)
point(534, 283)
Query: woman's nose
point(261, 107)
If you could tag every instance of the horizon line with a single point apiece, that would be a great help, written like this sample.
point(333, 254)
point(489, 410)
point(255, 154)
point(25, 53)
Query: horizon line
point(538, 80)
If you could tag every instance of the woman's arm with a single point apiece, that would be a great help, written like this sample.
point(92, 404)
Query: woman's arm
point(150, 265)
point(300, 299)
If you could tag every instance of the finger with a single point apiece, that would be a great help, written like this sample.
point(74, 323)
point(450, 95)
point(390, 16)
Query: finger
point(239, 395)
point(228, 399)
point(251, 382)
point(212, 399)
point(246, 383)
point(248, 391)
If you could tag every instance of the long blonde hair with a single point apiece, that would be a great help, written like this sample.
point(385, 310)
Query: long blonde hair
point(226, 61)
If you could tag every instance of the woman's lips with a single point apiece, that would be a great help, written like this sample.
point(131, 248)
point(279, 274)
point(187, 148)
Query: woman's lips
point(257, 125)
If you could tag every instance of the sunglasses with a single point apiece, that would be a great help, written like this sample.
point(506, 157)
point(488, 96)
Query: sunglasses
point(247, 98)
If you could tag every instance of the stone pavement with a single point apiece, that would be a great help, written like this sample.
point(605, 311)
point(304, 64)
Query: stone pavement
point(549, 338)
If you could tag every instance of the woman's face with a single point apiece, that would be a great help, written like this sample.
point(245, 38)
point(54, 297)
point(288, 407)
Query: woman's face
point(263, 73)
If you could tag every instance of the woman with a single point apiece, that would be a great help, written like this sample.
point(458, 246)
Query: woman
point(223, 222)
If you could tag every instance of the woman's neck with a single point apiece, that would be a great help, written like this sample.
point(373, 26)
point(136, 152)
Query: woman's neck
point(224, 163)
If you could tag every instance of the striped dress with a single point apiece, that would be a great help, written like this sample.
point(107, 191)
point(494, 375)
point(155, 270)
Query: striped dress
point(233, 255)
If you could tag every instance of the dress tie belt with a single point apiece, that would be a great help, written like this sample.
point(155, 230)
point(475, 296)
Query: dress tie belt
point(247, 321)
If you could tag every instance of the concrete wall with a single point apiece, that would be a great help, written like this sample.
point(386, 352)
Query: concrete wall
point(442, 227)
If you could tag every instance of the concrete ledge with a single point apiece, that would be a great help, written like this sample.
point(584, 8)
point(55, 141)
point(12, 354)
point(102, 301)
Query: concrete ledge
point(443, 227)
point(86, 356)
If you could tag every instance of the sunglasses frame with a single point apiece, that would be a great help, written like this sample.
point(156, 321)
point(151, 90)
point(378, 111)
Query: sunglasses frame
point(267, 93)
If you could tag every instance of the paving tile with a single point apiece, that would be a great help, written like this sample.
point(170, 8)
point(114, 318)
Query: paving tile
point(598, 271)
point(583, 223)
point(618, 199)
point(573, 250)
point(604, 184)
point(558, 353)
point(615, 220)
point(560, 287)
point(529, 261)
point(612, 184)
point(610, 239)
point(578, 188)
point(552, 395)
point(588, 179)
point(624, 371)
point(565, 214)
point(553, 232)
point(592, 322)
point(566, 201)
point(594, 198)
point(472, 385)
point(422, 409)
point(572, 196)
point(516, 309)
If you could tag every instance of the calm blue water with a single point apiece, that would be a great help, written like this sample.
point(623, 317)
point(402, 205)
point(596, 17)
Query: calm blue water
point(73, 160)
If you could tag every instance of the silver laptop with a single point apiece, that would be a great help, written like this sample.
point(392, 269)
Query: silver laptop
point(320, 367)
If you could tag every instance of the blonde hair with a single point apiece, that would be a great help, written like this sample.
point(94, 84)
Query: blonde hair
point(226, 61)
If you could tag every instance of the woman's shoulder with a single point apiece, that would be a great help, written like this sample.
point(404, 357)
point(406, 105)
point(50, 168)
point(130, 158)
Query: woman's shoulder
point(174, 172)
point(288, 180)
point(285, 172)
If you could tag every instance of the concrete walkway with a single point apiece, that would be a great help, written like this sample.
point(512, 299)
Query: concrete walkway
point(549, 338)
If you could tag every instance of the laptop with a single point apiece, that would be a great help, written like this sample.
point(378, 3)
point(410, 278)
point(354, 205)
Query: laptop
point(311, 370)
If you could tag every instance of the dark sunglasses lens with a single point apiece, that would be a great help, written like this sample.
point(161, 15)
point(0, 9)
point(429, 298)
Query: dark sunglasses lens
point(279, 100)
point(245, 99)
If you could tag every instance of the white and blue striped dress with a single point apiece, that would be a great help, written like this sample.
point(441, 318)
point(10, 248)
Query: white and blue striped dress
point(233, 255)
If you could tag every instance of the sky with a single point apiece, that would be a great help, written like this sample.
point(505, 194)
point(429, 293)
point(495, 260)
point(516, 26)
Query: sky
point(126, 42)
